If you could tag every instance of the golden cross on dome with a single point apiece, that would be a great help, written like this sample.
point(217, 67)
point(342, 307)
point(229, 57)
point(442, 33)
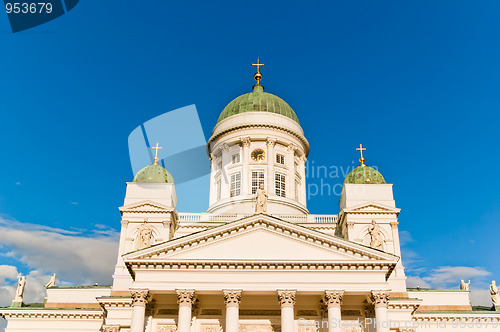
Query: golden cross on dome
point(258, 75)
point(361, 149)
point(156, 154)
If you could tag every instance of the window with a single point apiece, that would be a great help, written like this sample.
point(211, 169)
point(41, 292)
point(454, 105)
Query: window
point(297, 190)
point(235, 158)
point(217, 188)
point(235, 184)
point(257, 180)
point(280, 159)
point(280, 184)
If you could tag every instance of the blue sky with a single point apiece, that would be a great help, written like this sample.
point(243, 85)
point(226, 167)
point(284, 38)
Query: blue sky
point(415, 82)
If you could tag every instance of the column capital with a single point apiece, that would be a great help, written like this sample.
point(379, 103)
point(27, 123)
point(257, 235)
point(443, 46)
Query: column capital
point(291, 148)
point(245, 141)
point(232, 297)
point(380, 298)
point(406, 329)
point(110, 328)
point(271, 141)
point(394, 224)
point(225, 147)
point(185, 297)
point(333, 298)
point(286, 297)
point(140, 297)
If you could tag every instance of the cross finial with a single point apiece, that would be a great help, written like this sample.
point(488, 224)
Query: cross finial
point(156, 154)
point(361, 149)
point(258, 75)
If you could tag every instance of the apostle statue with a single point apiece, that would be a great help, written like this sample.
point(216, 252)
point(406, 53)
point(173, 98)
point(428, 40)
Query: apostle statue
point(261, 200)
point(52, 281)
point(145, 237)
point(21, 283)
point(464, 285)
point(377, 240)
point(495, 297)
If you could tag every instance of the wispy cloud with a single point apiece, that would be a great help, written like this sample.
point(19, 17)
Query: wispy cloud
point(444, 277)
point(77, 257)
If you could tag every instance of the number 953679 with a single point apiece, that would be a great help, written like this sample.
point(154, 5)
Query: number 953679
point(28, 8)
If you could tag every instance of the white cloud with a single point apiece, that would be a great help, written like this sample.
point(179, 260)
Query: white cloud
point(7, 272)
point(76, 258)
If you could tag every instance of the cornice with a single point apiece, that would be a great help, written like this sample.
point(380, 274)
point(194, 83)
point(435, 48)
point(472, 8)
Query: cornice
point(51, 314)
point(296, 232)
point(299, 136)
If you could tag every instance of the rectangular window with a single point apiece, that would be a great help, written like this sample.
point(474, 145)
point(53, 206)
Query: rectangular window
point(297, 190)
point(217, 188)
point(280, 159)
point(235, 184)
point(257, 180)
point(235, 158)
point(280, 184)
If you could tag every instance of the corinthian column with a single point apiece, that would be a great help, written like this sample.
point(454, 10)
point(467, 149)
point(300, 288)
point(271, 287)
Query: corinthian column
point(380, 300)
point(185, 299)
point(140, 298)
point(333, 299)
point(232, 299)
point(287, 301)
point(245, 176)
point(271, 159)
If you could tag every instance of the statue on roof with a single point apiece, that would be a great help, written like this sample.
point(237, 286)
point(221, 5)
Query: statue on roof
point(21, 283)
point(495, 297)
point(377, 240)
point(464, 285)
point(261, 200)
point(52, 281)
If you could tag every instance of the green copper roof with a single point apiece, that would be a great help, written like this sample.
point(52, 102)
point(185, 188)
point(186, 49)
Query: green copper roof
point(258, 101)
point(153, 173)
point(364, 175)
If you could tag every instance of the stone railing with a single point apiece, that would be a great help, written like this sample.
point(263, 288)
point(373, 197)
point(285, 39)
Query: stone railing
point(296, 218)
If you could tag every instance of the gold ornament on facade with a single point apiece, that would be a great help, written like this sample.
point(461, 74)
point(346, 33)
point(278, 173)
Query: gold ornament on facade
point(258, 155)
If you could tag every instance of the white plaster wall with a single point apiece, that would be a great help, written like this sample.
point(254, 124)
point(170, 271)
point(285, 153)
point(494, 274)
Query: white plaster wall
point(76, 295)
point(442, 297)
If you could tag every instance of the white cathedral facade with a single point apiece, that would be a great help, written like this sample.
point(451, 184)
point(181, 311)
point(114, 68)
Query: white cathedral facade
point(256, 260)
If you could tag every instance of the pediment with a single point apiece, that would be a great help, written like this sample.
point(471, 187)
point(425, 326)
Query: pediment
point(372, 207)
point(260, 238)
point(145, 206)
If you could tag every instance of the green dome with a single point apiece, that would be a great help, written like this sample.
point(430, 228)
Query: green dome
point(153, 173)
point(364, 175)
point(258, 101)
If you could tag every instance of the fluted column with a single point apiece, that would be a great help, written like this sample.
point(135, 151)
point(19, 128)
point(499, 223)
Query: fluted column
point(271, 158)
point(185, 299)
point(380, 300)
point(245, 176)
point(226, 178)
point(290, 178)
point(140, 298)
point(213, 190)
point(232, 299)
point(303, 187)
point(287, 301)
point(333, 299)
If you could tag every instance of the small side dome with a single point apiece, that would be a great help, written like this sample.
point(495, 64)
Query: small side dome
point(153, 173)
point(364, 175)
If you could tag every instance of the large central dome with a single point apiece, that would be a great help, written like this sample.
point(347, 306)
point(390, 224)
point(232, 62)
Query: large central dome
point(258, 101)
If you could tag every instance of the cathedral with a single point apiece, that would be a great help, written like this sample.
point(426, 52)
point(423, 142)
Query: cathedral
point(256, 260)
